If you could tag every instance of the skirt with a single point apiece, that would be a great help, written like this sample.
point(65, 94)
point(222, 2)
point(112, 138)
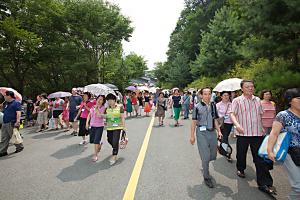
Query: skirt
point(176, 113)
point(147, 107)
point(82, 129)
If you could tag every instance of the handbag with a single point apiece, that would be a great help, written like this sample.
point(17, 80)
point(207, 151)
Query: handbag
point(16, 137)
point(295, 155)
point(124, 140)
point(280, 149)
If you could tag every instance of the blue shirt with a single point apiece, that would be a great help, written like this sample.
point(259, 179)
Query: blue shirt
point(291, 124)
point(74, 101)
point(10, 111)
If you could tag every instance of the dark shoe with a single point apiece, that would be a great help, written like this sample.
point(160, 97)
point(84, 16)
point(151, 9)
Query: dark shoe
point(241, 174)
point(19, 149)
point(208, 182)
point(3, 154)
point(267, 190)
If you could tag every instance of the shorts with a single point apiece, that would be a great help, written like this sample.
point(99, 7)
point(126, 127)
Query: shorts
point(82, 129)
point(72, 115)
point(56, 113)
point(96, 134)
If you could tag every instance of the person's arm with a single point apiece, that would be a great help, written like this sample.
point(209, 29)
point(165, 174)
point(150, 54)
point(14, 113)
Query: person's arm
point(276, 128)
point(17, 124)
point(236, 123)
point(193, 128)
point(123, 118)
point(217, 125)
point(88, 122)
point(78, 114)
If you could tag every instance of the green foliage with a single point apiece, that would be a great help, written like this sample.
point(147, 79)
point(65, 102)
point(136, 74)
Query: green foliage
point(55, 45)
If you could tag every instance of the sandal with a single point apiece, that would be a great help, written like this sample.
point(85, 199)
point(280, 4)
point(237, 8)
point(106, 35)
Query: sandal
point(241, 174)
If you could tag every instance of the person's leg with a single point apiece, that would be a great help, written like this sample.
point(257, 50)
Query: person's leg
point(110, 137)
point(204, 152)
point(115, 141)
point(213, 144)
point(263, 175)
point(241, 153)
point(6, 133)
point(294, 177)
point(225, 132)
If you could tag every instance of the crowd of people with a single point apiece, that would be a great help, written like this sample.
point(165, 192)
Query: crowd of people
point(213, 117)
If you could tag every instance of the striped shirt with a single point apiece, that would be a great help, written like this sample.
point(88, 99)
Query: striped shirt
point(248, 113)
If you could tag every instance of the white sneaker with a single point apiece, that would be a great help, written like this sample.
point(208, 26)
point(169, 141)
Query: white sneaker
point(83, 142)
point(112, 161)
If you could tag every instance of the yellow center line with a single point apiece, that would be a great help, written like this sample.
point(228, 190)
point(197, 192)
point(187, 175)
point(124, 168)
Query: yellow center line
point(132, 184)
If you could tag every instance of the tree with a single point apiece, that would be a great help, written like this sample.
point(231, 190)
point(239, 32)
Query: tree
point(136, 65)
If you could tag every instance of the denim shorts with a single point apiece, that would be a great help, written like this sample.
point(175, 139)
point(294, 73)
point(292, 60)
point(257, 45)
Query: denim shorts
point(96, 134)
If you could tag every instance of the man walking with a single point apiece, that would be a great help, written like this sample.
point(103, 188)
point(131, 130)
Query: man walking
point(74, 103)
point(11, 120)
point(246, 115)
point(205, 122)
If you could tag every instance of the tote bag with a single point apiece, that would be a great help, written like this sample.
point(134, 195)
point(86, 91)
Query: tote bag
point(280, 149)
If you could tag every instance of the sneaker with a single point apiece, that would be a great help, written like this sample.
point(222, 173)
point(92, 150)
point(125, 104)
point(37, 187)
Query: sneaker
point(208, 182)
point(112, 161)
point(83, 142)
point(19, 149)
point(241, 174)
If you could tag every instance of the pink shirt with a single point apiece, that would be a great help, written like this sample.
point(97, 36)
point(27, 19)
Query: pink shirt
point(248, 113)
point(269, 114)
point(84, 111)
point(222, 108)
point(97, 121)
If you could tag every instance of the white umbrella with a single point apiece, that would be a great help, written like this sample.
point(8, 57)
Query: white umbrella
point(152, 90)
point(98, 89)
point(143, 88)
point(165, 90)
point(231, 84)
point(59, 95)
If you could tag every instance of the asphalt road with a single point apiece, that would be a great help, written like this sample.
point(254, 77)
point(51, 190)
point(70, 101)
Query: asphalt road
point(54, 166)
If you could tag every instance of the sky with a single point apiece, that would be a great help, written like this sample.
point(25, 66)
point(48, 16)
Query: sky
point(153, 22)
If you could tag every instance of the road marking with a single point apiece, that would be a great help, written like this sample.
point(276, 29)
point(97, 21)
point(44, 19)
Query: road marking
point(131, 187)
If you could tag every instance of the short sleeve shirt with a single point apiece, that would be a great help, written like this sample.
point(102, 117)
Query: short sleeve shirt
point(84, 111)
point(58, 105)
point(74, 101)
point(10, 109)
point(248, 112)
point(202, 113)
point(291, 124)
point(176, 101)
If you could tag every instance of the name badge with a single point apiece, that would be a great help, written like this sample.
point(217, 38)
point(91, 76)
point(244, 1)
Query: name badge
point(82, 110)
point(115, 125)
point(202, 128)
point(226, 117)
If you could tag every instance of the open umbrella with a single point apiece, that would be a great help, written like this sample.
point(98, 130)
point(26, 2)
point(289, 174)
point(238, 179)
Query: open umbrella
point(59, 95)
point(131, 88)
point(111, 86)
point(17, 94)
point(143, 88)
point(98, 89)
point(231, 84)
point(175, 89)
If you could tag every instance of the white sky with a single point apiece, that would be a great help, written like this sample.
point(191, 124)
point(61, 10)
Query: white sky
point(153, 22)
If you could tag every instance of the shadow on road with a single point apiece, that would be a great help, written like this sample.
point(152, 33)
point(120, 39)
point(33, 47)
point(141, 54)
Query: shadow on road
point(63, 137)
point(44, 135)
point(69, 151)
point(202, 192)
point(84, 168)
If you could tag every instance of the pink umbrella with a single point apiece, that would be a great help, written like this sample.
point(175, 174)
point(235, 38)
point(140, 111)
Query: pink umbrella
point(17, 94)
point(131, 88)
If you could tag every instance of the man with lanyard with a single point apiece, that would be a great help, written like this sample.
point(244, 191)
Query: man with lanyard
point(205, 123)
point(74, 104)
point(246, 114)
point(11, 120)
